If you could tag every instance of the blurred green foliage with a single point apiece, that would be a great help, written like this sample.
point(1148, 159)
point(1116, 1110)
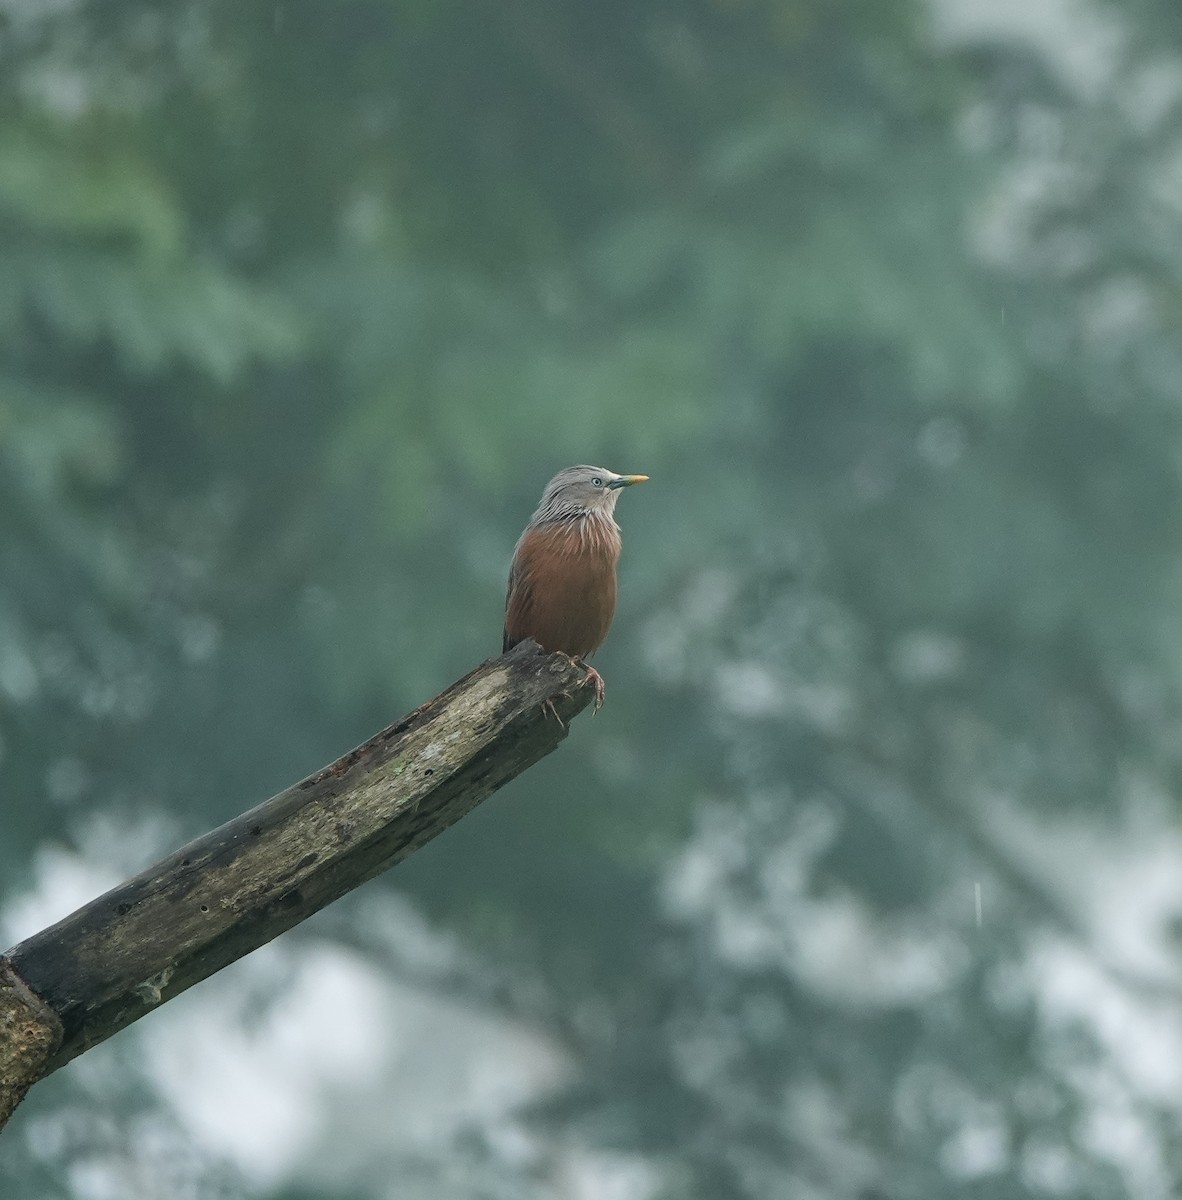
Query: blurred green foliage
point(301, 304)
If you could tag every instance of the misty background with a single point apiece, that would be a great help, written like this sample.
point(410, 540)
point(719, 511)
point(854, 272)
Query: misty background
point(866, 883)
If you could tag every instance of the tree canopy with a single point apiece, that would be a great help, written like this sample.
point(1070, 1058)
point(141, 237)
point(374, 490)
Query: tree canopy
point(865, 882)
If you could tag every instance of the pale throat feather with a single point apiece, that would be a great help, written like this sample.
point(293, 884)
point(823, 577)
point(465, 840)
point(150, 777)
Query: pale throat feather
point(590, 532)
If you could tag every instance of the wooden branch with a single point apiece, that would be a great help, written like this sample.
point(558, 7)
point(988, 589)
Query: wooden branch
point(236, 888)
point(29, 1033)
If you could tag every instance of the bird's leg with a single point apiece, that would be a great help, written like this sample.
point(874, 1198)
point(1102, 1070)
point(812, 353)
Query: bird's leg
point(596, 680)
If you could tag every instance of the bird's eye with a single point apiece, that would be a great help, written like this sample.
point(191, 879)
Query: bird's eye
point(596, 482)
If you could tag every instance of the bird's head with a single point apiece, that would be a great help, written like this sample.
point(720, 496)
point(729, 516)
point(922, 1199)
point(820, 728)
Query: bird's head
point(583, 491)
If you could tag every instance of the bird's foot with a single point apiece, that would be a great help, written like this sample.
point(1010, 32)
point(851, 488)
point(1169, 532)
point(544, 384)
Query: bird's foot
point(596, 681)
point(548, 707)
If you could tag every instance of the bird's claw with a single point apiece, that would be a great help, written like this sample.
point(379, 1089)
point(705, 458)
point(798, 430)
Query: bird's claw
point(548, 706)
point(596, 680)
point(592, 678)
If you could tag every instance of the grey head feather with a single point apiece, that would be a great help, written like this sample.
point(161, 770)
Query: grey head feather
point(582, 491)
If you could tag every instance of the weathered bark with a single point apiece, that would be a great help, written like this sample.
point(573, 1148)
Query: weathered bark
point(236, 888)
point(29, 1033)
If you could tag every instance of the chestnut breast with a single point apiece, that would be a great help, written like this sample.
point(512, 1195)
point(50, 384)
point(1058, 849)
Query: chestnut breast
point(562, 585)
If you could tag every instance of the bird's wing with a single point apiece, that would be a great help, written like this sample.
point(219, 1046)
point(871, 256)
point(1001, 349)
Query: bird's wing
point(519, 597)
point(509, 640)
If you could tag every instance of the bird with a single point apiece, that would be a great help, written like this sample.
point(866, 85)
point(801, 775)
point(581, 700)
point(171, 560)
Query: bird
point(562, 580)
